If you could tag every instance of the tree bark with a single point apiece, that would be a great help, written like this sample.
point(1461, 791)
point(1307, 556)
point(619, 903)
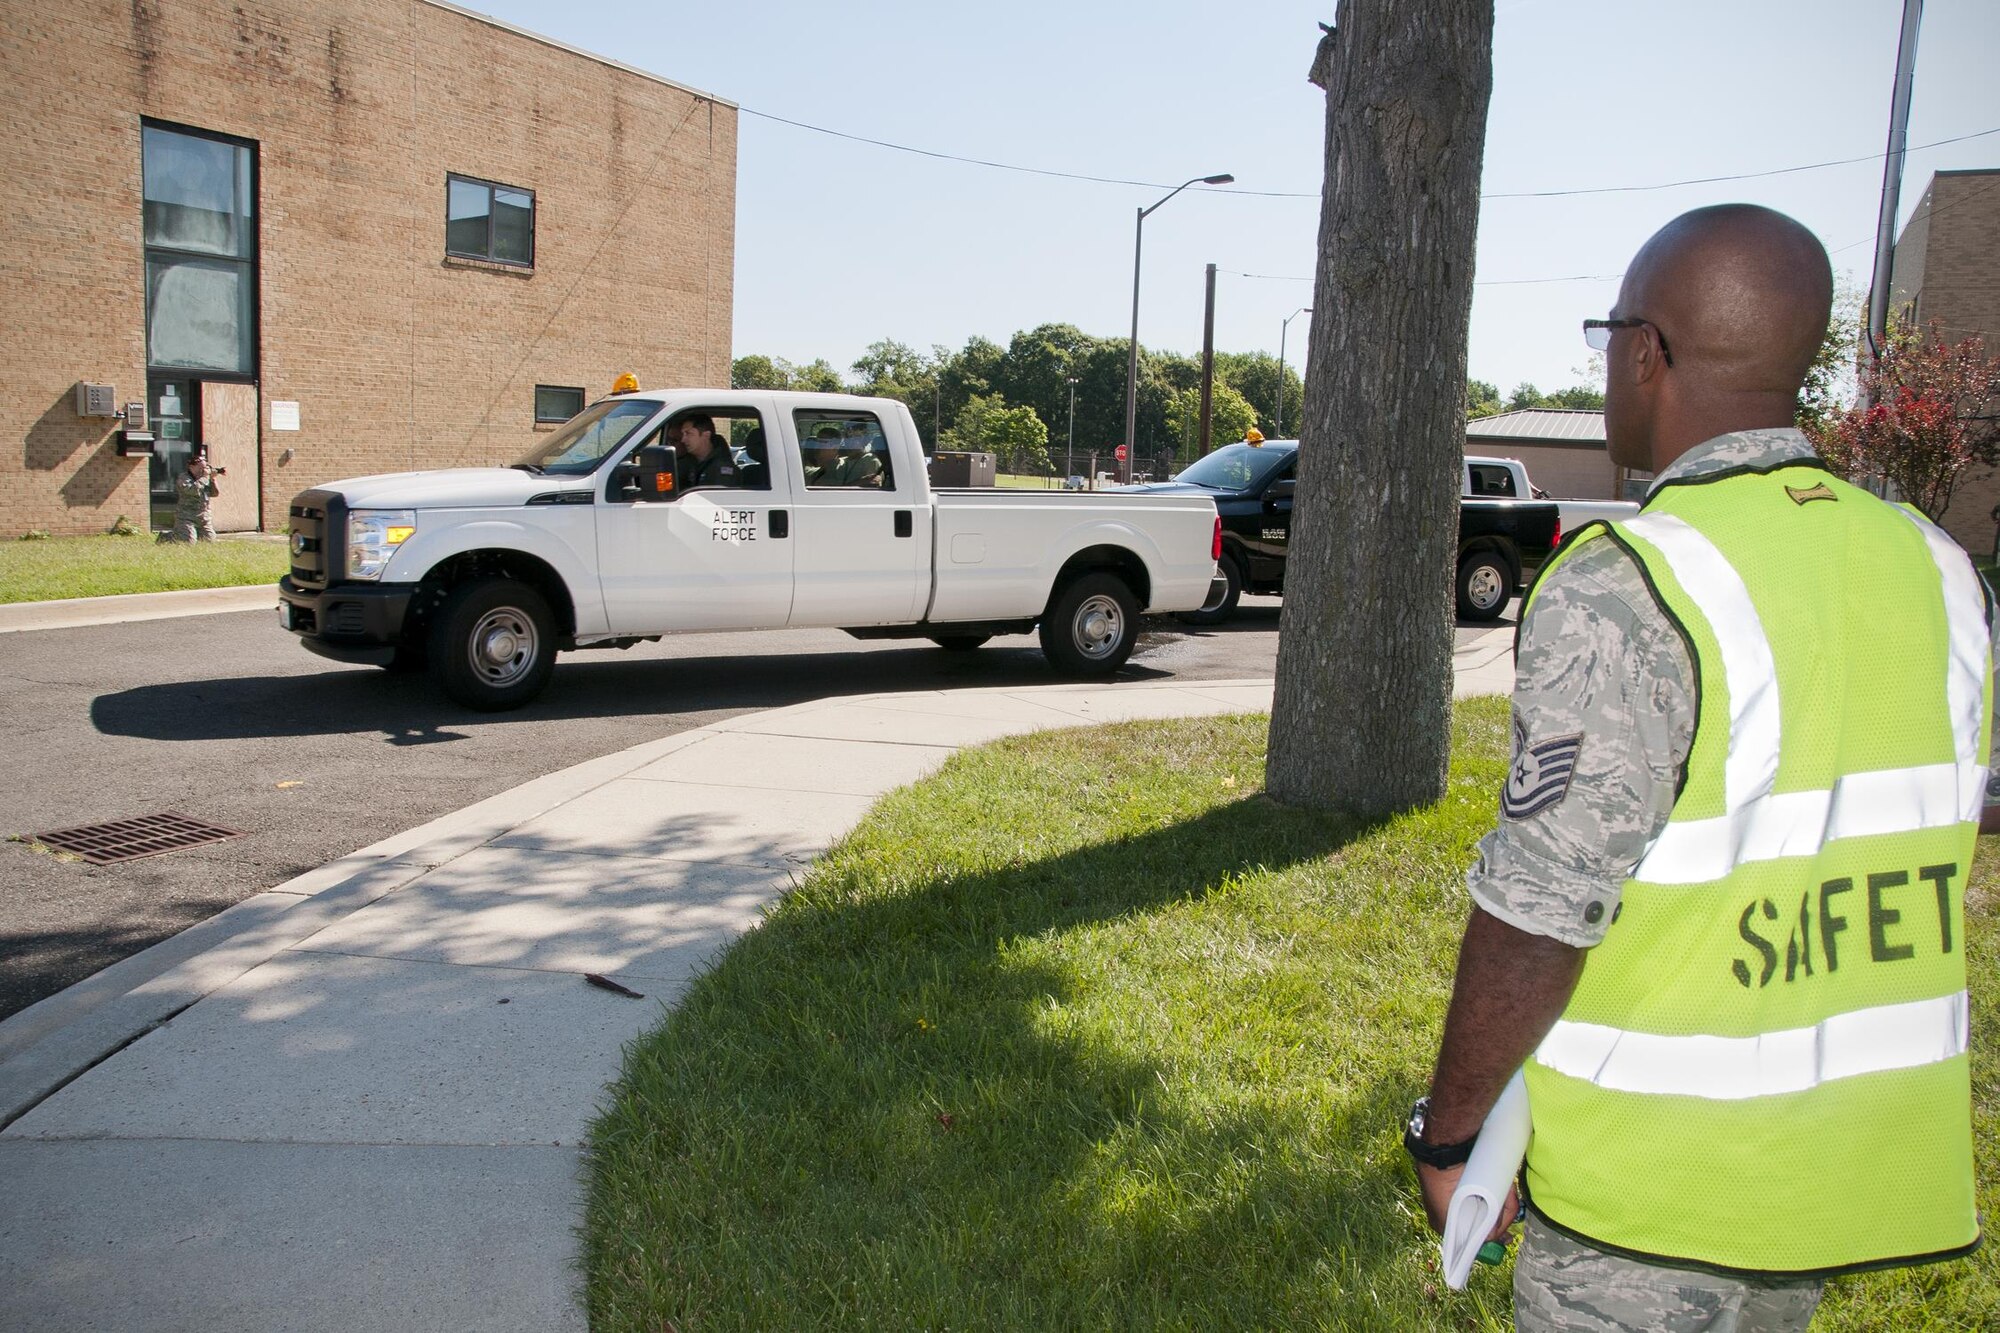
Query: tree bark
point(1361, 722)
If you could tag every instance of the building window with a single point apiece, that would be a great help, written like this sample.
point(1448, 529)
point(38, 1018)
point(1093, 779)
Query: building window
point(201, 251)
point(555, 404)
point(483, 220)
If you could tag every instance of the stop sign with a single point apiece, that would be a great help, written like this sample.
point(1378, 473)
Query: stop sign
point(1119, 453)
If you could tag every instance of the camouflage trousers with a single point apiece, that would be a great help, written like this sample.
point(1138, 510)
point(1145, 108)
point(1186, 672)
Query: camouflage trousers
point(1562, 1285)
point(190, 527)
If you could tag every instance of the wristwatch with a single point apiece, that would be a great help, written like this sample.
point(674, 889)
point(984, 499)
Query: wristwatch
point(1437, 1156)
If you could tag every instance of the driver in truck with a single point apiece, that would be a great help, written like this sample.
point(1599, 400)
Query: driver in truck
point(709, 464)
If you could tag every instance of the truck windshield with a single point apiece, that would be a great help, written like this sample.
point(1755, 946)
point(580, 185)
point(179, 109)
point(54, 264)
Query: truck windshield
point(1236, 467)
point(583, 441)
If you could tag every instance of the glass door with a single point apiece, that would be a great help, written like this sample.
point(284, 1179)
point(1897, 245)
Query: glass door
point(171, 401)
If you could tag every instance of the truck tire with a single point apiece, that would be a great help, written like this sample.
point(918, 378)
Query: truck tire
point(1091, 626)
point(1224, 607)
point(493, 644)
point(1484, 585)
point(959, 643)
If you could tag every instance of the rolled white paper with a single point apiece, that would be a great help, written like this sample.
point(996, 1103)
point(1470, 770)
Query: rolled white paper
point(1489, 1174)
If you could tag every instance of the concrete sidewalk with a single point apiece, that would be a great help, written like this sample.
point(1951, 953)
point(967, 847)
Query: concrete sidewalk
point(357, 1101)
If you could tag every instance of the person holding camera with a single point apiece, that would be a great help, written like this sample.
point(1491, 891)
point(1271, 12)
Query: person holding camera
point(194, 493)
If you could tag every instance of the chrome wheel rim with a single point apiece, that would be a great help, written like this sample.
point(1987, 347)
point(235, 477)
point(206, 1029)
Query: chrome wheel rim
point(503, 646)
point(1484, 589)
point(1098, 626)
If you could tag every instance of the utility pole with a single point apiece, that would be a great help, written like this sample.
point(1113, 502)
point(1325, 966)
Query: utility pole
point(1892, 179)
point(1207, 363)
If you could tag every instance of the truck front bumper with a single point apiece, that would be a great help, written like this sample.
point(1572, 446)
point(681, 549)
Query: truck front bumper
point(348, 622)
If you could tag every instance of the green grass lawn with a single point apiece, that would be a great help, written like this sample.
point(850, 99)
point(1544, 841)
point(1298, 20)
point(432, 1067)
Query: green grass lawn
point(1084, 1033)
point(36, 571)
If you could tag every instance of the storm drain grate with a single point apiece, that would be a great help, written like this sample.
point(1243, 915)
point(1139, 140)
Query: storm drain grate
point(130, 839)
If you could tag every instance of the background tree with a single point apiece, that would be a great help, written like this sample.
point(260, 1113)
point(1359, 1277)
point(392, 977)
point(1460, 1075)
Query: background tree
point(1526, 396)
point(891, 369)
point(1587, 396)
point(1932, 416)
point(1482, 400)
point(1255, 376)
point(1230, 415)
point(819, 377)
point(1014, 435)
point(1361, 721)
point(1830, 383)
point(760, 372)
point(756, 371)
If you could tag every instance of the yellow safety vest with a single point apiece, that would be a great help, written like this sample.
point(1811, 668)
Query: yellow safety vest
point(1763, 1069)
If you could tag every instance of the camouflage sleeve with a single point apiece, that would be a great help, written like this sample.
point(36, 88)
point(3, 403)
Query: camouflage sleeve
point(1603, 717)
point(1993, 740)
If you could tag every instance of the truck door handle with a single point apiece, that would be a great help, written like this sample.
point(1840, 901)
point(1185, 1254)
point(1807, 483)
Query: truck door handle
point(903, 524)
point(781, 523)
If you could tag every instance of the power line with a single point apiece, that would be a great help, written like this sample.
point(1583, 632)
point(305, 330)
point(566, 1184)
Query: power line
point(1314, 194)
point(1483, 282)
point(1927, 213)
point(1777, 171)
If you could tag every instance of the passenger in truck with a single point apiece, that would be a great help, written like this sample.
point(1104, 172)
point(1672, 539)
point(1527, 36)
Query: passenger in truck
point(823, 457)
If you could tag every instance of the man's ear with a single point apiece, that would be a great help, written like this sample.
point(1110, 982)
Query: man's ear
point(1647, 360)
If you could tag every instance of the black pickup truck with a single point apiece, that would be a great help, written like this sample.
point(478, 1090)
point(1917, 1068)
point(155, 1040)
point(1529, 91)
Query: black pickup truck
point(1500, 542)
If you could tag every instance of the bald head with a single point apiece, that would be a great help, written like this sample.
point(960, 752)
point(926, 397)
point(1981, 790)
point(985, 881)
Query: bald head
point(1739, 296)
point(1742, 293)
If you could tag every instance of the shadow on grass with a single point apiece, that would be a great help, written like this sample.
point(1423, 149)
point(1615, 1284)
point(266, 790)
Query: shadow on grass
point(902, 1108)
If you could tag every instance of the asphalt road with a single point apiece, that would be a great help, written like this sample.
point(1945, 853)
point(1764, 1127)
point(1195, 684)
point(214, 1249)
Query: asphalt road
point(226, 719)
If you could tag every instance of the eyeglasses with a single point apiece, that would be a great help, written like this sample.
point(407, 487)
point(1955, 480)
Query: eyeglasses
point(1597, 334)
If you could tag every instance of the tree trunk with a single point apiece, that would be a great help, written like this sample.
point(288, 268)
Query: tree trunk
point(1361, 722)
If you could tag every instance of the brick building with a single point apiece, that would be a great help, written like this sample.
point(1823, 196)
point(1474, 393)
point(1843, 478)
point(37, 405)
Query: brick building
point(331, 237)
point(1947, 268)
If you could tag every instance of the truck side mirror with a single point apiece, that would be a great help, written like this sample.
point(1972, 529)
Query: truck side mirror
point(649, 474)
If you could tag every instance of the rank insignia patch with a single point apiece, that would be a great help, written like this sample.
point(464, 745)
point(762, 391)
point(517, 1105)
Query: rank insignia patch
point(1539, 777)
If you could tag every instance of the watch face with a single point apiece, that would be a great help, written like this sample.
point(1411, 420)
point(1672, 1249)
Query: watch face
point(1419, 1114)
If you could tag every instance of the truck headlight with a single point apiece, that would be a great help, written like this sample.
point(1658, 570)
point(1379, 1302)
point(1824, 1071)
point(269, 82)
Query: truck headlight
point(373, 536)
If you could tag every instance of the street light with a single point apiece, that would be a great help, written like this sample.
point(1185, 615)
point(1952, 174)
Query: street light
point(1132, 361)
point(1283, 325)
point(1069, 454)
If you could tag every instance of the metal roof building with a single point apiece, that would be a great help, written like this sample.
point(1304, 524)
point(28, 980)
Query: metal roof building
point(1562, 448)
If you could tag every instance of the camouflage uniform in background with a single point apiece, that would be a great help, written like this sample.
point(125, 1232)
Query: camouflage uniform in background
point(192, 519)
point(1604, 715)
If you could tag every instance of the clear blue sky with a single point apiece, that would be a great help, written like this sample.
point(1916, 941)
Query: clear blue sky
point(1586, 94)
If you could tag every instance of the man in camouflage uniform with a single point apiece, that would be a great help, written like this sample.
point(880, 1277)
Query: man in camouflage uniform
point(1605, 706)
point(194, 489)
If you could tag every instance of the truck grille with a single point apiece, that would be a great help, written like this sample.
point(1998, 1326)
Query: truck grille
point(316, 520)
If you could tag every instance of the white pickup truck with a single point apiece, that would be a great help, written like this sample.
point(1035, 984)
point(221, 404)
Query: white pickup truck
point(688, 510)
point(1507, 479)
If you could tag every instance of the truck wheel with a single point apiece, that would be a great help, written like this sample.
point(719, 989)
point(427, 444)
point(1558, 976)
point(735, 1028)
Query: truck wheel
point(493, 644)
point(1091, 626)
point(959, 643)
point(1223, 607)
point(1484, 584)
